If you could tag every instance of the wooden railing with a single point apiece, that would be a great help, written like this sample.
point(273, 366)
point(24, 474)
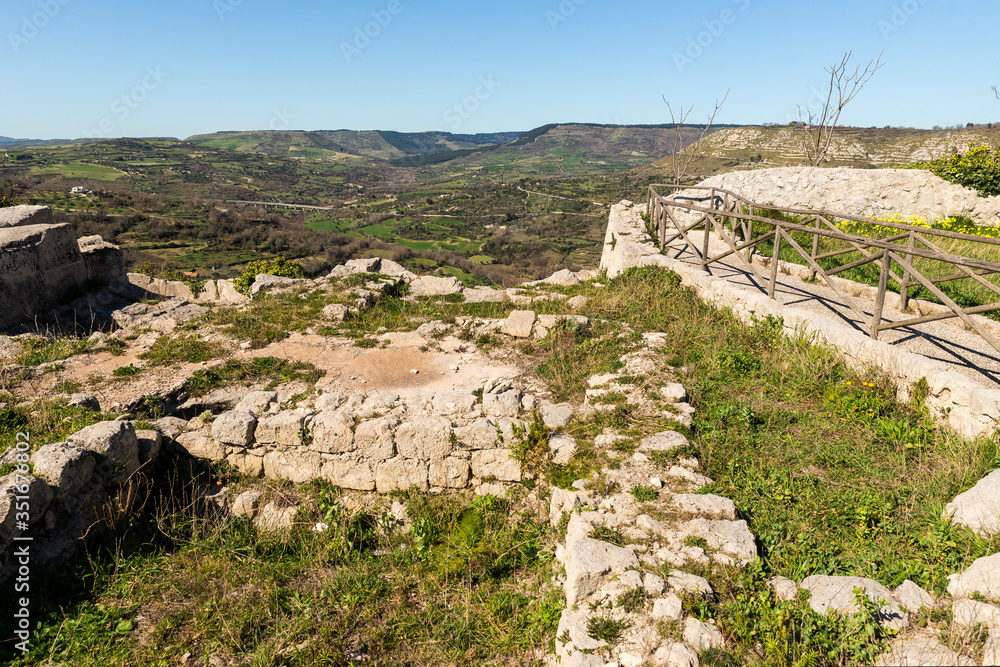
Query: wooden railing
point(735, 220)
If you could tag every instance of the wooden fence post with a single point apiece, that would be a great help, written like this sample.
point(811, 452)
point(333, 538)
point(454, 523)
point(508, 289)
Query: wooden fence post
point(774, 261)
point(883, 285)
point(904, 289)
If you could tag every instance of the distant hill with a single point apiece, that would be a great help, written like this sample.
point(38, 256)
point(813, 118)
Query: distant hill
point(6, 142)
point(376, 144)
point(577, 144)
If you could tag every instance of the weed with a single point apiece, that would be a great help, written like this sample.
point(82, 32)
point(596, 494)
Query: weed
point(606, 629)
point(129, 371)
point(188, 348)
point(644, 493)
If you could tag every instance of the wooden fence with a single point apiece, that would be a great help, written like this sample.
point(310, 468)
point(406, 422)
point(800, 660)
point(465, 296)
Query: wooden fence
point(736, 220)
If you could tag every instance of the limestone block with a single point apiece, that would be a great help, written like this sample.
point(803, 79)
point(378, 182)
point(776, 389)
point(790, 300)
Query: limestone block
point(350, 473)
point(969, 613)
point(425, 438)
point(483, 295)
point(399, 474)
point(562, 447)
point(983, 577)
point(663, 442)
point(12, 486)
point(283, 429)
point(507, 404)
point(654, 585)
point(264, 282)
point(234, 428)
point(564, 501)
point(690, 583)
point(149, 444)
point(495, 463)
point(922, 653)
point(228, 293)
point(675, 654)
point(375, 439)
point(912, 597)
point(670, 608)
point(276, 518)
point(40, 265)
point(332, 433)
point(200, 446)
point(66, 468)
point(480, 434)
point(434, 286)
point(978, 508)
point(784, 589)
point(702, 636)
point(23, 215)
point(590, 563)
point(246, 503)
point(257, 403)
point(838, 593)
point(556, 415)
point(116, 448)
point(707, 505)
point(450, 473)
point(105, 261)
point(451, 403)
point(297, 465)
point(518, 324)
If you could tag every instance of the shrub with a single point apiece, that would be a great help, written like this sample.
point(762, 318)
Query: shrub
point(978, 169)
point(278, 266)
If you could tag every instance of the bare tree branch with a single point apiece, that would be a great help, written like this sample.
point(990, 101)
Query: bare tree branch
point(680, 157)
point(996, 91)
point(844, 86)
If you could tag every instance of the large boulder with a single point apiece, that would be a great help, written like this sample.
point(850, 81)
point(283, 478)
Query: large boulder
point(116, 447)
point(837, 593)
point(434, 286)
point(978, 508)
point(13, 488)
point(40, 265)
point(23, 215)
point(63, 466)
point(982, 577)
point(105, 261)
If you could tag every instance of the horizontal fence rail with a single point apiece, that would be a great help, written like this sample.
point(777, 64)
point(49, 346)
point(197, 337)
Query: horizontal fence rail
point(744, 225)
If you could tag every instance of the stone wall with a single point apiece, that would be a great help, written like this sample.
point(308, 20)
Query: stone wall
point(967, 406)
point(41, 264)
point(860, 192)
point(74, 487)
point(370, 442)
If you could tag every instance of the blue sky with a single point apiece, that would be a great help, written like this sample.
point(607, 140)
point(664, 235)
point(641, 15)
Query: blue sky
point(157, 68)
